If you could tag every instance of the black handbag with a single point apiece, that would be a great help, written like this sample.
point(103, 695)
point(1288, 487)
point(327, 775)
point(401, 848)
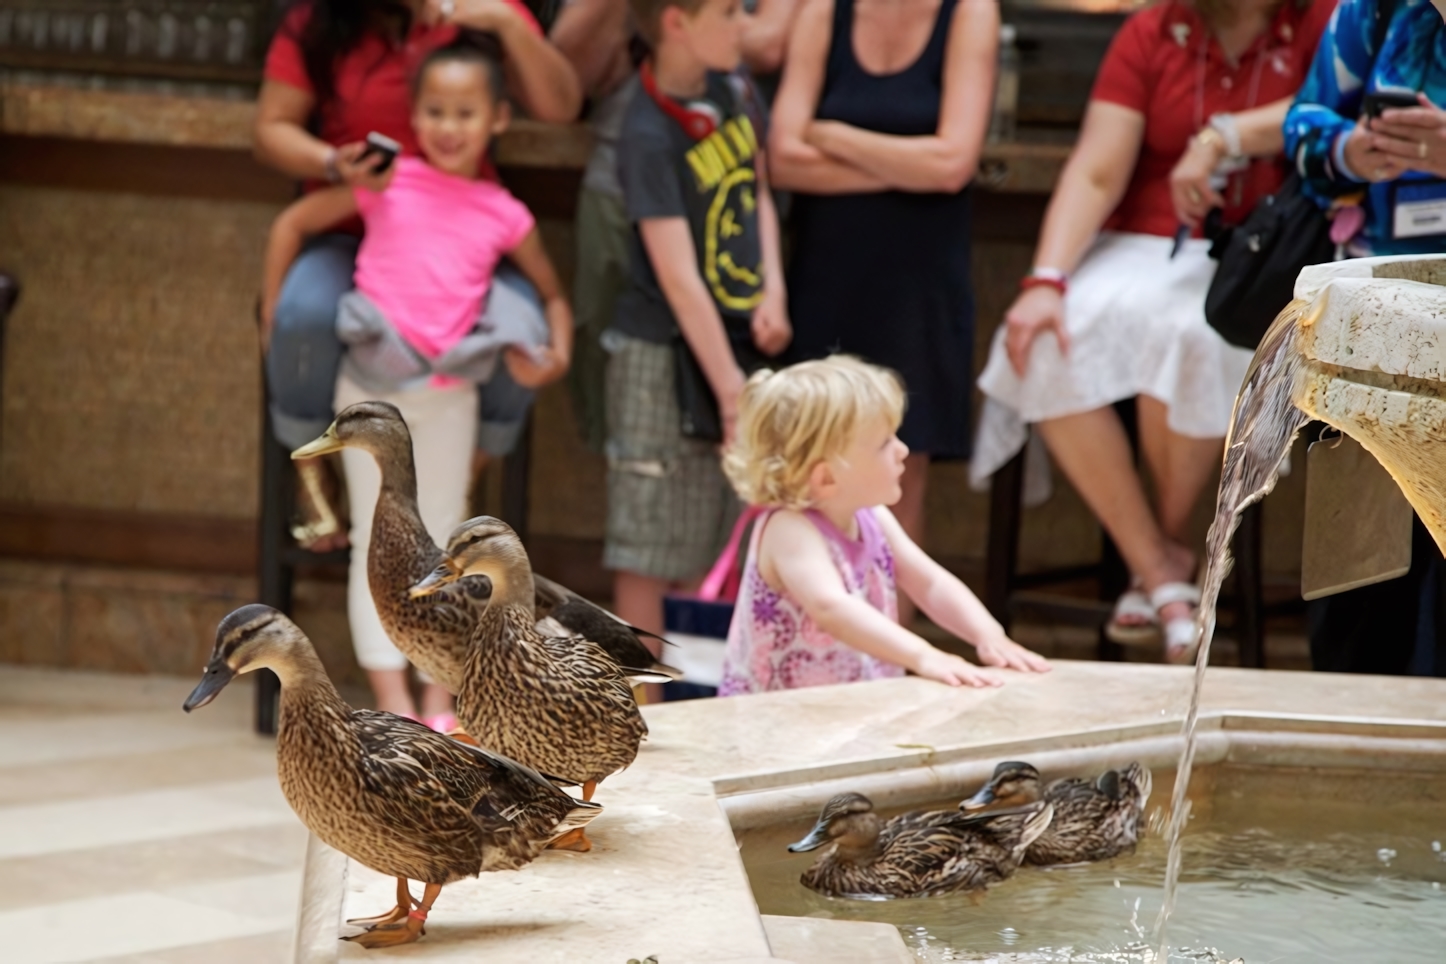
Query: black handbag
point(696, 402)
point(1259, 261)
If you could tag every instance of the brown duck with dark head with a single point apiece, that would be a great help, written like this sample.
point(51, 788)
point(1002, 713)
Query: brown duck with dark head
point(434, 631)
point(559, 704)
point(1093, 819)
point(923, 853)
point(384, 790)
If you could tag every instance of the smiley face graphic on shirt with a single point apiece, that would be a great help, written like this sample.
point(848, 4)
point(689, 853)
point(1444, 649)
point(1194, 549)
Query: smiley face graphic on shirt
point(732, 259)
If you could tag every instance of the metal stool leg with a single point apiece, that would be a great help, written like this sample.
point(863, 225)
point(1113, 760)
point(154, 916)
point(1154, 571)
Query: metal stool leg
point(1006, 499)
point(274, 575)
point(1249, 589)
point(516, 470)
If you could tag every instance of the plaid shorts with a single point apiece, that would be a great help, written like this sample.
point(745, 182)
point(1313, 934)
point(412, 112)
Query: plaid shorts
point(670, 508)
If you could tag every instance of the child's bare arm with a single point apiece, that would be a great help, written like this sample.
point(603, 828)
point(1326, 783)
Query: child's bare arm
point(771, 329)
point(793, 552)
point(310, 215)
point(949, 602)
point(550, 363)
point(669, 243)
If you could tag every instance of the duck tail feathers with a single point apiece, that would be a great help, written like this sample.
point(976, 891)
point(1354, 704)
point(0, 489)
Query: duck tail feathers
point(1140, 780)
point(656, 673)
point(580, 815)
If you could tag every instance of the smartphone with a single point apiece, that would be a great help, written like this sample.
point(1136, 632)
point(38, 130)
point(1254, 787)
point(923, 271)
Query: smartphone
point(379, 145)
point(1380, 100)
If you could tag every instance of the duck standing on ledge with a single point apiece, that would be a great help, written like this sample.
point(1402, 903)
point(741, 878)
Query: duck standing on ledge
point(434, 632)
point(1092, 820)
point(384, 790)
point(923, 853)
point(561, 705)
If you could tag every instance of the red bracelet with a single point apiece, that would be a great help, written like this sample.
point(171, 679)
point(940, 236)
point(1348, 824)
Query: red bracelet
point(1038, 281)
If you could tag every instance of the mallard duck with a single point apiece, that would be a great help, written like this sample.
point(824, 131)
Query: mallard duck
point(1092, 820)
point(924, 853)
point(561, 705)
point(382, 789)
point(434, 631)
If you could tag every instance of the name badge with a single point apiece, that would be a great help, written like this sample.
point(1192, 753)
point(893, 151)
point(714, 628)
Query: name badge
point(1418, 209)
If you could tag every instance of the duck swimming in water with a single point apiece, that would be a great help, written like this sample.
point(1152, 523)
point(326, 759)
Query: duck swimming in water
point(1093, 820)
point(924, 853)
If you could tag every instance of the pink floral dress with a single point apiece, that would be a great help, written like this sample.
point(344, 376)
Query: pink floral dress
point(774, 645)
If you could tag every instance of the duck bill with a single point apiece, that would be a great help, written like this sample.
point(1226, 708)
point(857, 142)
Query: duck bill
point(816, 838)
point(321, 446)
point(439, 579)
point(218, 674)
point(980, 800)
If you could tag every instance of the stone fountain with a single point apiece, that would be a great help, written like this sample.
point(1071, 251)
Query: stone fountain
point(666, 878)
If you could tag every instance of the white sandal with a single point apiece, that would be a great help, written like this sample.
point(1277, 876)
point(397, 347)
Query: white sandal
point(1145, 630)
point(1182, 637)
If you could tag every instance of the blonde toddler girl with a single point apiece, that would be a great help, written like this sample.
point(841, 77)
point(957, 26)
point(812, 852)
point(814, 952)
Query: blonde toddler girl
point(816, 450)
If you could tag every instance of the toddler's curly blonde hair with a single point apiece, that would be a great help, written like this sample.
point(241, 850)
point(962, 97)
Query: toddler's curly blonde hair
point(793, 419)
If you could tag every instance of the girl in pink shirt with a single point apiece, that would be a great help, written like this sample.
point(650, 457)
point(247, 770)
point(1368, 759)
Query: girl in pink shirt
point(818, 603)
point(435, 232)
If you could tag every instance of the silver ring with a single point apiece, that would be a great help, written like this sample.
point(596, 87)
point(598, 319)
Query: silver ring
point(1421, 150)
point(1194, 196)
point(1379, 173)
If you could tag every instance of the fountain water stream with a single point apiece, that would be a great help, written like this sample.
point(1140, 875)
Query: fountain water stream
point(1363, 348)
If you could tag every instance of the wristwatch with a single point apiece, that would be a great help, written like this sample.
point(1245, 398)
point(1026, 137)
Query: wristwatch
point(332, 174)
point(1229, 131)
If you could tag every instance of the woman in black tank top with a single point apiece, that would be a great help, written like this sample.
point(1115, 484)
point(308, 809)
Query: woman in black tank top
point(878, 128)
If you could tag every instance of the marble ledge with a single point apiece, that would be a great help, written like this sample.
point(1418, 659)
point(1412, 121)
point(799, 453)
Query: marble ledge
point(665, 877)
point(182, 120)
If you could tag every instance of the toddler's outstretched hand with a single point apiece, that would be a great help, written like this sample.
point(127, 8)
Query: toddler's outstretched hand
point(953, 671)
point(1005, 652)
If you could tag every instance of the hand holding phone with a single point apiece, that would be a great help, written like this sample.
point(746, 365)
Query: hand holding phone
point(1380, 100)
point(379, 145)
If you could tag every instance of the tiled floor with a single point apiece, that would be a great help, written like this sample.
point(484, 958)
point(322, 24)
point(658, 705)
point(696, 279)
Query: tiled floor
point(131, 831)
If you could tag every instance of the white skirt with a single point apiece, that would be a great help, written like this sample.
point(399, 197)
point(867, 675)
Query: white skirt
point(1135, 318)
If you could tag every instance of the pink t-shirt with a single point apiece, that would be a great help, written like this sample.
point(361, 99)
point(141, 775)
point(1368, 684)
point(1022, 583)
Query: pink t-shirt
point(432, 242)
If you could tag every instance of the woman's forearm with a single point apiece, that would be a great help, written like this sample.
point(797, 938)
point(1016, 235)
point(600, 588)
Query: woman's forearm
point(292, 150)
point(1076, 212)
point(540, 77)
point(1262, 130)
point(925, 164)
point(796, 166)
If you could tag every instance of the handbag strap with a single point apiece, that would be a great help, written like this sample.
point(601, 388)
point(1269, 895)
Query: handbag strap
point(717, 577)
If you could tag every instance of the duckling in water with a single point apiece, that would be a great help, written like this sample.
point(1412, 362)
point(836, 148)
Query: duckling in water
point(434, 631)
point(561, 705)
point(1092, 820)
point(923, 853)
point(384, 790)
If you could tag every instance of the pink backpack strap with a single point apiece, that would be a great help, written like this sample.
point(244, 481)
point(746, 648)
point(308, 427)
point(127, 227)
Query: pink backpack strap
point(718, 577)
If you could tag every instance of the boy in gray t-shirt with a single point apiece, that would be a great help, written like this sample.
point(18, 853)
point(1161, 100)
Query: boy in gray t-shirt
point(705, 300)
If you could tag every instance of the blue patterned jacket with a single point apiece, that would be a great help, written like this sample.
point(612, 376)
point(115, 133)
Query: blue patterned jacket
point(1412, 55)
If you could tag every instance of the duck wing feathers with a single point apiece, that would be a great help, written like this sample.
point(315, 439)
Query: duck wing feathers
point(445, 791)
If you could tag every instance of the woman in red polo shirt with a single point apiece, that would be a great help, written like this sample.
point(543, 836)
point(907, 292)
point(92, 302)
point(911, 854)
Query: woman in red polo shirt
point(335, 72)
point(1185, 116)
